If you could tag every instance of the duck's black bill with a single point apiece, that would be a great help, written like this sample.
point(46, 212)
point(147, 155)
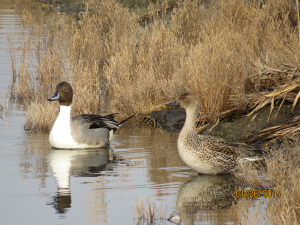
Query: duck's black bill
point(175, 103)
point(55, 97)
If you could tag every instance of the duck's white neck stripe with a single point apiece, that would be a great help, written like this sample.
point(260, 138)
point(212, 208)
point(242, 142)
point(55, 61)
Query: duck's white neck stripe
point(60, 135)
point(65, 112)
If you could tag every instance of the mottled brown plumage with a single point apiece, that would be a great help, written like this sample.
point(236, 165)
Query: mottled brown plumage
point(207, 154)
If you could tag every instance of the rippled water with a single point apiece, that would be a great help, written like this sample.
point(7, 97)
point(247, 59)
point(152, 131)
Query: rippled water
point(40, 185)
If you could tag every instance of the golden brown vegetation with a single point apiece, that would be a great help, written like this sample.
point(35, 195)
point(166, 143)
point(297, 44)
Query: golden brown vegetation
point(282, 173)
point(212, 51)
point(47, 58)
point(148, 211)
point(221, 53)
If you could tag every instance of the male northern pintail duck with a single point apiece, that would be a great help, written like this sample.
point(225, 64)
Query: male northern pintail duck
point(207, 154)
point(81, 131)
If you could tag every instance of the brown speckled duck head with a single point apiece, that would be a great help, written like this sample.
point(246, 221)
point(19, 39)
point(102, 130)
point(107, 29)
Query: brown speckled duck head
point(187, 101)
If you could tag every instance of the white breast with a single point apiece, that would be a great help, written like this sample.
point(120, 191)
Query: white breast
point(60, 135)
point(193, 160)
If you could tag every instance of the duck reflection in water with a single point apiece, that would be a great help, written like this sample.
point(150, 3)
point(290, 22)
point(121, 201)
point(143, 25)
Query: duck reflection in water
point(79, 163)
point(210, 194)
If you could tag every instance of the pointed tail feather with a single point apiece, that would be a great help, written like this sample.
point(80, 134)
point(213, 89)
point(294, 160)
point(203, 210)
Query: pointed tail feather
point(123, 121)
point(115, 125)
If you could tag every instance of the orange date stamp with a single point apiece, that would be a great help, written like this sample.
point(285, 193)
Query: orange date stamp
point(257, 193)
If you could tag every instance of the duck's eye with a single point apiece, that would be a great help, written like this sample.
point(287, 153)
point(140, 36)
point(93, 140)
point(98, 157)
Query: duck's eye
point(65, 89)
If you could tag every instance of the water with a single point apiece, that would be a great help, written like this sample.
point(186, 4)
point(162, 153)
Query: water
point(40, 185)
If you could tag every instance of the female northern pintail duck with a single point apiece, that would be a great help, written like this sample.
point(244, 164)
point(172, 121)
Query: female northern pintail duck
point(82, 131)
point(207, 154)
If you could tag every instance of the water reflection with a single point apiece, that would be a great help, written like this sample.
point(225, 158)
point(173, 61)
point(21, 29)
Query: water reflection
point(79, 163)
point(205, 198)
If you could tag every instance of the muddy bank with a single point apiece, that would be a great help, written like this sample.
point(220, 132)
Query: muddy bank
point(238, 129)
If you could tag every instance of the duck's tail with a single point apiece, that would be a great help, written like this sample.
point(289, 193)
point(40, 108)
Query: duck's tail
point(251, 153)
point(114, 125)
point(123, 121)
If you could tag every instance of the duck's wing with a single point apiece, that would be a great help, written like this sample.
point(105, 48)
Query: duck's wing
point(229, 148)
point(92, 121)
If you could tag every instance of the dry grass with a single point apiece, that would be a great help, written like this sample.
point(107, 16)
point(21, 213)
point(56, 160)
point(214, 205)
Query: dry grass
point(252, 174)
point(207, 52)
point(271, 135)
point(166, 65)
point(147, 211)
point(282, 174)
point(113, 62)
point(46, 58)
point(249, 212)
point(289, 90)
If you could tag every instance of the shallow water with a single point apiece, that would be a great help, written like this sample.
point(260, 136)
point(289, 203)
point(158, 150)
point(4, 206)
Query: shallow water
point(40, 185)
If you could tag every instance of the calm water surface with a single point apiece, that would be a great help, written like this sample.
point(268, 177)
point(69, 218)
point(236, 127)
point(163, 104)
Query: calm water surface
point(40, 185)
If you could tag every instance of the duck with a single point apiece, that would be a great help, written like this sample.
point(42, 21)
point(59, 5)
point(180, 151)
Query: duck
point(205, 153)
point(81, 131)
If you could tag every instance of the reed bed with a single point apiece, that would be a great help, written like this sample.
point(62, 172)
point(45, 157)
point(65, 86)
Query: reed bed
point(116, 65)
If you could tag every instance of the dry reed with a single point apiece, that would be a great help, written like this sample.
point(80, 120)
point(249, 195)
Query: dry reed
point(211, 52)
point(113, 62)
point(148, 211)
